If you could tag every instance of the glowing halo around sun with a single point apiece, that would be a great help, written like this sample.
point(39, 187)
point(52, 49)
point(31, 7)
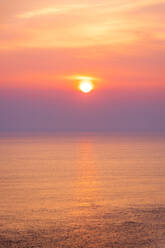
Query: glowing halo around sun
point(86, 86)
point(83, 83)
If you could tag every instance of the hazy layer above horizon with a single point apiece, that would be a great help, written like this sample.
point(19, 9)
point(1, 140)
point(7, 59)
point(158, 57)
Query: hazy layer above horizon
point(110, 110)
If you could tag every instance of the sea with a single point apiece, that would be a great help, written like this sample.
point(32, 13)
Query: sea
point(82, 190)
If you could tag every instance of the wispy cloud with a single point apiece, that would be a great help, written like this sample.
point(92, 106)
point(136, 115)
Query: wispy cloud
point(110, 7)
point(51, 10)
point(107, 23)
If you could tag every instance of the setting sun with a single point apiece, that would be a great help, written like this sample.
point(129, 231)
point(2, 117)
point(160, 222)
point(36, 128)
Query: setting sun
point(86, 86)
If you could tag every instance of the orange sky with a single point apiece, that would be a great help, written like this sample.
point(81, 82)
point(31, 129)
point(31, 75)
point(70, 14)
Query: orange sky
point(43, 43)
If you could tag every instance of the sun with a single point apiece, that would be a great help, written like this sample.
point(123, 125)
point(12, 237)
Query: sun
point(86, 86)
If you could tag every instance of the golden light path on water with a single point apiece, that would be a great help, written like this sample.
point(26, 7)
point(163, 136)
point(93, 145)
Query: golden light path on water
point(82, 190)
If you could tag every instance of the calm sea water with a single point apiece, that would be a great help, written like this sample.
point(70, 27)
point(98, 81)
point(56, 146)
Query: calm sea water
point(82, 190)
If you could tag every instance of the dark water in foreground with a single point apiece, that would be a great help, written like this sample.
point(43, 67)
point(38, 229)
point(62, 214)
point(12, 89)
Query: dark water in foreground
point(82, 191)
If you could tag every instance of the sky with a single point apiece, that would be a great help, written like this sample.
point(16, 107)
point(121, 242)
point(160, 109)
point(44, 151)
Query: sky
point(44, 45)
